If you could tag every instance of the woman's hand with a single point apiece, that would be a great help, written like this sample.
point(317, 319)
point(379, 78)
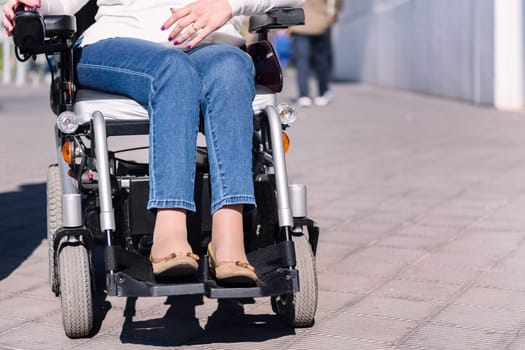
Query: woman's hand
point(197, 19)
point(9, 12)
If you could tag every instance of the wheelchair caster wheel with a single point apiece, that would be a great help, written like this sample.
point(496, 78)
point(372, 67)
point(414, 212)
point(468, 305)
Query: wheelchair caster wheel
point(76, 293)
point(298, 309)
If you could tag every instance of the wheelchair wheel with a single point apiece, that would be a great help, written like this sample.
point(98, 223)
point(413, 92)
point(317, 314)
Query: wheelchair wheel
point(298, 309)
point(76, 292)
point(54, 219)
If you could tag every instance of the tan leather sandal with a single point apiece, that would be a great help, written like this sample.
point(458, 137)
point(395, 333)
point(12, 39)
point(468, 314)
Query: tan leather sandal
point(232, 272)
point(175, 265)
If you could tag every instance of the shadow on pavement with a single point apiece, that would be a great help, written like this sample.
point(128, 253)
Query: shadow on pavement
point(22, 225)
point(180, 326)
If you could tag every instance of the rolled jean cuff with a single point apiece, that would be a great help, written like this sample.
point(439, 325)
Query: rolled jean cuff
point(171, 204)
point(231, 200)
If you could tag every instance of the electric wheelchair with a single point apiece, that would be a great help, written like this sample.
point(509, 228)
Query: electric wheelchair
point(96, 198)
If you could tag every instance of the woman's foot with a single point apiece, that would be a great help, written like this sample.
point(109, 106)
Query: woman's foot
point(171, 254)
point(228, 261)
point(175, 265)
point(231, 272)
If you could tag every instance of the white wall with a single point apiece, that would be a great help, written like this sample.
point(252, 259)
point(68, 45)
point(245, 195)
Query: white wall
point(442, 47)
point(509, 54)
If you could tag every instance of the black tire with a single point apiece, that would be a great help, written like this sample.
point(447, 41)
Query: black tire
point(76, 293)
point(54, 219)
point(298, 309)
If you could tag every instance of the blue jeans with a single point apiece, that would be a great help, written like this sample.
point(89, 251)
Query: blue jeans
point(316, 49)
point(176, 87)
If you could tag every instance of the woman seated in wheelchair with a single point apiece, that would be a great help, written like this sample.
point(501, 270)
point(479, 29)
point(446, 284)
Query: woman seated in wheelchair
point(180, 59)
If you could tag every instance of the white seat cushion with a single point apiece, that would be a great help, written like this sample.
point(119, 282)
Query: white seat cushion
point(112, 106)
point(124, 108)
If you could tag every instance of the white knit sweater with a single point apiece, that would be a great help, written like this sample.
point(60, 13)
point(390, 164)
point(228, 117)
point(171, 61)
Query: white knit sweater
point(143, 18)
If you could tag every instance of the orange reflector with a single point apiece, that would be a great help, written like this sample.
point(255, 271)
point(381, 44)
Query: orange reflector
point(286, 142)
point(67, 151)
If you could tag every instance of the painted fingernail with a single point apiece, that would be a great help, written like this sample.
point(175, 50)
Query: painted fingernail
point(9, 17)
point(176, 42)
point(37, 5)
point(170, 38)
point(163, 28)
point(188, 47)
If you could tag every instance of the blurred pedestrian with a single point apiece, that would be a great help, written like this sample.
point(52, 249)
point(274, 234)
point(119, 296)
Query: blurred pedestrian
point(312, 45)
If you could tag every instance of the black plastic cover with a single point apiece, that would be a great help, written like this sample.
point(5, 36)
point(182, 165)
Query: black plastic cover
point(60, 26)
point(29, 31)
point(277, 18)
point(267, 68)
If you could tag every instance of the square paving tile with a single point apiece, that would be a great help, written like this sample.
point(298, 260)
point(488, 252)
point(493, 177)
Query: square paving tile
point(444, 257)
point(417, 290)
point(352, 283)
point(490, 319)
point(484, 244)
point(493, 298)
point(366, 328)
point(36, 336)
point(435, 337)
point(335, 301)
point(394, 308)
point(7, 324)
point(502, 280)
point(439, 274)
point(424, 243)
point(24, 308)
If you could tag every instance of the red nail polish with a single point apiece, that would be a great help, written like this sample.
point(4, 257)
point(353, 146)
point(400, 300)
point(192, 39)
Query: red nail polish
point(188, 47)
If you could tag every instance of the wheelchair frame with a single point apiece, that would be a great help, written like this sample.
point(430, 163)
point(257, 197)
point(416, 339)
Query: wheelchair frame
point(72, 218)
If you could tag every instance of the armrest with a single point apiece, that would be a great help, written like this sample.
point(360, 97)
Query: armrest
point(276, 18)
point(61, 26)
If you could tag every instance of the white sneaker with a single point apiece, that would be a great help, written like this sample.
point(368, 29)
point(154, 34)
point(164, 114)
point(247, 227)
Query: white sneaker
point(304, 101)
point(327, 97)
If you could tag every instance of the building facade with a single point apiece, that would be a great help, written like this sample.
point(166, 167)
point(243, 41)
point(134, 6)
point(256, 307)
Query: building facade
point(465, 49)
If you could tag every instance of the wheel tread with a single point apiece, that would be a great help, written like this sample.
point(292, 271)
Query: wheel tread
point(54, 218)
point(75, 290)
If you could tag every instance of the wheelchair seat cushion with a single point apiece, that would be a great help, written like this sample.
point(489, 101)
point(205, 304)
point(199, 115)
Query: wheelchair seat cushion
point(112, 106)
point(117, 107)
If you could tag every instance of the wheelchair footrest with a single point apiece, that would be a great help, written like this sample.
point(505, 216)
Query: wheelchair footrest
point(280, 281)
point(134, 277)
point(127, 286)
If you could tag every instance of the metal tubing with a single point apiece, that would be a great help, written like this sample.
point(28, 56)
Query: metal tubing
point(107, 217)
point(71, 200)
point(284, 211)
point(298, 200)
point(71, 210)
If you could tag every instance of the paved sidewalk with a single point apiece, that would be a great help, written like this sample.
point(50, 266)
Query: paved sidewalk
point(421, 204)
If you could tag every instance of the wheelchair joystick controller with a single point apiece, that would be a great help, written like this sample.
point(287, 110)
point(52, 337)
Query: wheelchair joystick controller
point(36, 34)
point(29, 31)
